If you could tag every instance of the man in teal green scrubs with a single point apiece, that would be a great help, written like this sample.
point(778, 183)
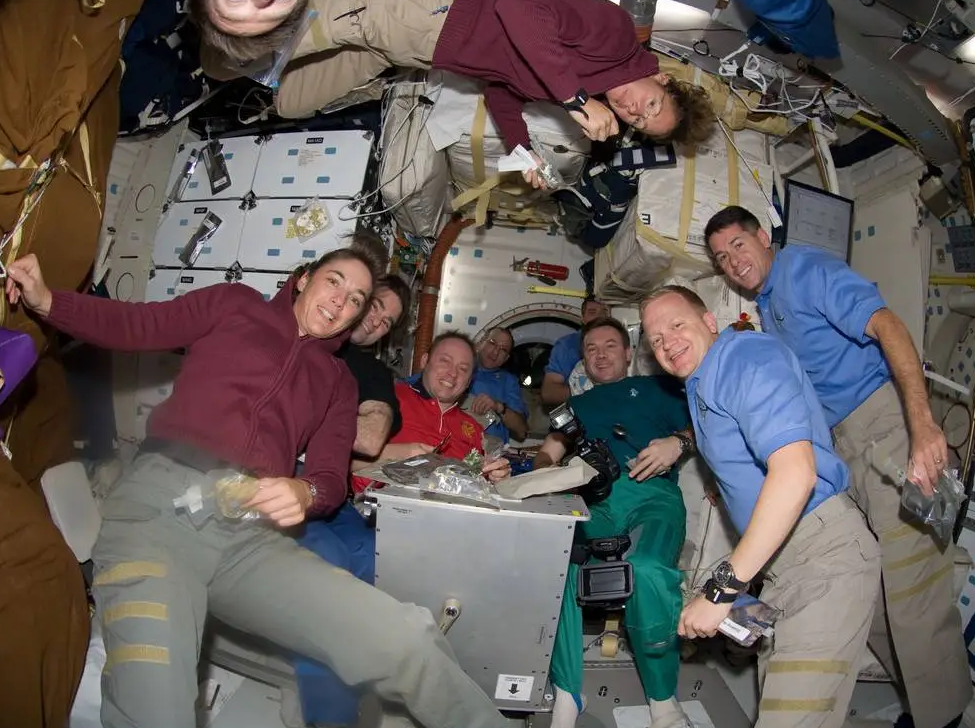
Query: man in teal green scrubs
point(645, 503)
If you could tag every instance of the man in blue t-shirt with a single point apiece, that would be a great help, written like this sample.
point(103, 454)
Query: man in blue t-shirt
point(494, 389)
point(760, 428)
point(566, 353)
point(855, 350)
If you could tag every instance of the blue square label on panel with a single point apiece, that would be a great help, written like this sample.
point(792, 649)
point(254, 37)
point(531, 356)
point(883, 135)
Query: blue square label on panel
point(856, 234)
point(308, 254)
point(292, 152)
point(193, 185)
point(267, 296)
point(330, 150)
point(170, 291)
point(323, 180)
point(871, 231)
point(206, 250)
point(447, 318)
point(113, 189)
point(178, 249)
point(454, 250)
point(184, 222)
point(273, 252)
point(277, 221)
point(478, 253)
point(228, 156)
point(290, 180)
point(471, 320)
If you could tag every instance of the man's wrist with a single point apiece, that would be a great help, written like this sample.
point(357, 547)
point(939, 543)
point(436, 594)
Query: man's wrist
point(500, 408)
point(308, 494)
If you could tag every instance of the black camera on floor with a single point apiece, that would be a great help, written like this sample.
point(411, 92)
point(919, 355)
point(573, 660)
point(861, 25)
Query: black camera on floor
point(594, 452)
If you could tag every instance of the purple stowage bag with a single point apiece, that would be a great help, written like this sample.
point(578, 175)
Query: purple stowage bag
point(17, 357)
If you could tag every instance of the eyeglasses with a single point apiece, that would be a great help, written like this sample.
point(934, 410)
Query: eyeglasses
point(499, 347)
point(654, 107)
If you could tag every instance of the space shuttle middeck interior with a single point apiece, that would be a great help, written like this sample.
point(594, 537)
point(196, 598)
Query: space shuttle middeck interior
point(868, 158)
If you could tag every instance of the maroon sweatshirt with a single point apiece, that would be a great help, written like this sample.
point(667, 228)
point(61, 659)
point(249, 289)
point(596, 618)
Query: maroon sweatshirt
point(540, 50)
point(250, 390)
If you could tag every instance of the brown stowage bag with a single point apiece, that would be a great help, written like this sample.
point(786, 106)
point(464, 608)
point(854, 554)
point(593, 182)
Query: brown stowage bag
point(59, 76)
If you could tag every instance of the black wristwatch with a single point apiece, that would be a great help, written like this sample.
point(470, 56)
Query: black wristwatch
point(724, 577)
point(686, 443)
point(716, 595)
point(577, 102)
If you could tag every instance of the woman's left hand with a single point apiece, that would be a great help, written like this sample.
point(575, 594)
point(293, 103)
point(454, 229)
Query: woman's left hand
point(283, 500)
point(496, 469)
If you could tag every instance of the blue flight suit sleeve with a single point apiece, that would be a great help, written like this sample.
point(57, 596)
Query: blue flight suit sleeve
point(844, 297)
point(763, 391)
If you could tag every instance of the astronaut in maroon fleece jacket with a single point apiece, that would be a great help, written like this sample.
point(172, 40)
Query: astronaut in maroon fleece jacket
point(258, 386)
point(563, 51)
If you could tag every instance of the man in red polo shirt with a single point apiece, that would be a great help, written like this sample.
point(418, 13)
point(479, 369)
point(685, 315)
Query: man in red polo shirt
point(430, 407)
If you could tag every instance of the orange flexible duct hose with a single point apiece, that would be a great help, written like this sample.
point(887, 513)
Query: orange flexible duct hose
point(430, 292)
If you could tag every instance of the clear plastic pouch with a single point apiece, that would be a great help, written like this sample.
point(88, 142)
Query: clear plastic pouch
point(221, 494)
point(939, 510)
point(310, 219)
point(750, 619)
point(267, 69)
point(458, 481)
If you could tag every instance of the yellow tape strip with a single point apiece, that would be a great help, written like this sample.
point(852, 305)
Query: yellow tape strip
point(687, 200)
point(133, 610)
point(131, 570)
point(734, 193)
point(137, 653)
point(477, 139)
point(823, 705)
point(920, 586)
point(912, 559)
point(671, 248)
point(318, 35)
point(902, 531)
point(839, 667)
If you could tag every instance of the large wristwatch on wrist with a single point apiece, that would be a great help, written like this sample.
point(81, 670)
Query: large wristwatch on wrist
point(724, 576)
point(576, 103)
point(686, 443)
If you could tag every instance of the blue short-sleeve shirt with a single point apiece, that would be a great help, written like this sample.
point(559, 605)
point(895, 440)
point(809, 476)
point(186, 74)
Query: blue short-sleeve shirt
point(819, 307)
point(566, 353)
point(747, 399)
point(501, 386)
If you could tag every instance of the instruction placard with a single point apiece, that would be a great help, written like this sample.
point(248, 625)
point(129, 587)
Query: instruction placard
point(514, 687)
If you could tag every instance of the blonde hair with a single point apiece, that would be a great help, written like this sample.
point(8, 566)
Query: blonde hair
point(686, 293)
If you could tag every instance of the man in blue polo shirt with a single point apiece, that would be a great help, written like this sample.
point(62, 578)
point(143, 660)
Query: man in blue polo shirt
point(759, 426)
point(494, 389)
point(566, 353)
point(855, 350)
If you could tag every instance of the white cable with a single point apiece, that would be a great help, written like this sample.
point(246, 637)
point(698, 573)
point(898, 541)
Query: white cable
point(955, 102)
point(924, 32)
point(751, 170)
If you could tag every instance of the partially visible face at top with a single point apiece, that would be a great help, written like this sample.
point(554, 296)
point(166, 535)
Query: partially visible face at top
point(384, 311)
point(592, 310)
point(332, 298)
point(495, 350)
point(645, 105)
point(447, 370)
point(250, 17)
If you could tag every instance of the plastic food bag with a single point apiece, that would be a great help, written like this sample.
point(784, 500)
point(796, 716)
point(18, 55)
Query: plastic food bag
point(412, 470)
point(940, 510)
point(220, 493)
point(460, 482)
point(267, 69)
point(750, 618)
point(310, 219)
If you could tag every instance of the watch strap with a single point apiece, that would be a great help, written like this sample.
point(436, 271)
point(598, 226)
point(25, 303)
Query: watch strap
point(716, 595)
point(577, 102)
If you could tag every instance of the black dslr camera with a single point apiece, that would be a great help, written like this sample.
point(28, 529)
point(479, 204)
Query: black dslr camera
point(594, 452)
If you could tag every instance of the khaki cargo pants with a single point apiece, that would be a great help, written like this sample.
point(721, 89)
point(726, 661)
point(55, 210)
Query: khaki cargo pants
point(917, 630)
point(352, 42)
point(157, 577)
point(825, 579)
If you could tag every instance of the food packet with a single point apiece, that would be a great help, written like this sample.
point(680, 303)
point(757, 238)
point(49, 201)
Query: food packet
point(310, 219)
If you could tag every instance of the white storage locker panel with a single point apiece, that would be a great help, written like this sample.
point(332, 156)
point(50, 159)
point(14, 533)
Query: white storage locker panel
point(268, 241)
point(157, 371)
point(267, 283)
point(241, 155)
point(180, 223)
point(167, 283)
point(313, 164)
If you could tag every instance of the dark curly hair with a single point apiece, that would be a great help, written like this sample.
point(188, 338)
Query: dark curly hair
point(244, 49)
point(695, 116)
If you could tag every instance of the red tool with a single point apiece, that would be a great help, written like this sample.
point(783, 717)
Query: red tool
point(544, 272)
